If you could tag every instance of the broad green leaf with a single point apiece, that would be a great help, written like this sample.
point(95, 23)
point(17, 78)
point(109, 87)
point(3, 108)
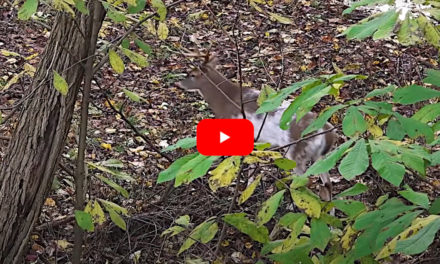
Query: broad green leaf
point(299, 181)
point(140, 5)
point(262, 146)
point(117, 219)
point(327, 163)
point(435, 158)
point(112, 163)
point(269, 208)
point(144, 47)
point(116, 62)
point(307, 201)
point(360, 3)
point(183, 220)
point(319, 234)
point(357, 189)
point(246, 194)
point(435, 206)
point(27, 9)
point(428, 113)
point(162, 31)
point(293, 221)
point(415, 161)
point(280, 19)
point(118, 174)
point(415, 128)
point(408, 32)
point(275, 100)
point(285, 164)
point(114, 185)
point(269, 246)
point(172, 231)
point(84, 220)
point(367, 28)
point(244, 225)
point(395, 130)
point(184, 143)
point(419, 242)
point(170, 173)
point(116, 16)
point(322, 119)
point(160, 8)
point(112, 206)
point(136, 58)
point(380, 92)
point(81, 6)
point(381, 199)
point(416, 197)
point(386, 29)
point(132, 95)
point(431, 33)
point(297, 255)
point(350, 207)
point(225, 173)
point(433, 77)
point(377, 107)
point(413, 94)
point(265, 92)
point(353, 122)
point(355, 162)
point(60, 83)
point(193, 169)
point(388, 168)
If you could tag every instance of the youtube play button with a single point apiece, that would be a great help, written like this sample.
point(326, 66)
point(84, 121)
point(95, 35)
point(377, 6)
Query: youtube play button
point(225, 137)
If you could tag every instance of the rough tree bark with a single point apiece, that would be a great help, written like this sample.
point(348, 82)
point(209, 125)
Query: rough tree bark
point(39, 138)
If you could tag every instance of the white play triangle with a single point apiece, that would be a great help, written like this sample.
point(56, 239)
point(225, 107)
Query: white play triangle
point(223, 137)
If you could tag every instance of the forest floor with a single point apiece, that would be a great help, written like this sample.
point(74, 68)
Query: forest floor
point(270, 53)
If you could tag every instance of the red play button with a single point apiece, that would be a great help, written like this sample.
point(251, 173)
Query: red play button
point(225, 137)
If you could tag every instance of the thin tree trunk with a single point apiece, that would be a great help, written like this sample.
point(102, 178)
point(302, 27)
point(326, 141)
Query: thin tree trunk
point(39, 138)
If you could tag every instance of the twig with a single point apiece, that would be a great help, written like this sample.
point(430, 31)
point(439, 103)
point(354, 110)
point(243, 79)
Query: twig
point(231, 207)
point(306, 138)
point(239, 71)
point(56, 222)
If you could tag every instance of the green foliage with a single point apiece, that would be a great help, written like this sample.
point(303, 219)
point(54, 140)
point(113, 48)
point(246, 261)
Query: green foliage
point(269, 208)
point(356, 189)
point(355, 162)
point(184, 143)
point(246, 226)
point(84, 220)
point(116, 62)
point(27, 9)
point(60, 83)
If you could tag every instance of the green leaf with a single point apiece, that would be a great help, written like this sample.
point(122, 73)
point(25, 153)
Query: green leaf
point(322, 119)
point(116, 62)
point(433, 77)
point(380, 92)
point(350, 207)
point(60, 83)
point(355, 162)
point(262, 146)
point(431, 33)
point(112, 163)
point(170, 173)
point(280, 19)
point(381, 24)
point(353, 122)
point(114, 185)
point(327, 163)
point(415, 128)
point(395, 130)
point(435, 206)
point(81, 6)
point(415, 197)
point(140, 5)
point(125, 43)
point(162, 31)
point(246, 194)
point(172, 231)
point(285, 164)
point(183, 220)
point(413, 94)
point(419, 242)
point(265, 92)
point(244, 225)
point(435, 158)
point(388, 168)
point(132, 95)
point(319, 233)
point(193, 169)
point(136, 58)
point(408, 32)
point(203, 233)
point(360, 3)
point(116, 16)
point(27, 9)
point(160, 8)
point(118, 174)
point(184, 143)
point(112, 206)
point(117, 219)
point(275, 100)
point(357, 189)
point(84, 220)
point(269, 208)
point(297, 255)
point(269, 246)
point(225, 173)
point(386, 29)
point(144, 47)
point(306, 200)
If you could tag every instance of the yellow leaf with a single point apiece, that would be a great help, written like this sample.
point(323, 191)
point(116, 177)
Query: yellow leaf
point(13, 80)
point(29, 69)
point(225, 173)
point(256, 6)
point(375, 130)
point(307, 201)
point(279, 18)
point(116, 62)
point(97, 213)
point(149, 24)
point(49, 202)
point(348, 238)
point(256, 156)
point(417, 225)
point(30, 57)
point(106, 146)
point(63, 244)
point(162, 31)
point(7, 53)
point(249, 190)
point(60, 83)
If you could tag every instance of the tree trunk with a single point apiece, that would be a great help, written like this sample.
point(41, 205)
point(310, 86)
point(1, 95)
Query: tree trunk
point(27, 171)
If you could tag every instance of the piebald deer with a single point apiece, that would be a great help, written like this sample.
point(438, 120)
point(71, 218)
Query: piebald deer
point(224, 99)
